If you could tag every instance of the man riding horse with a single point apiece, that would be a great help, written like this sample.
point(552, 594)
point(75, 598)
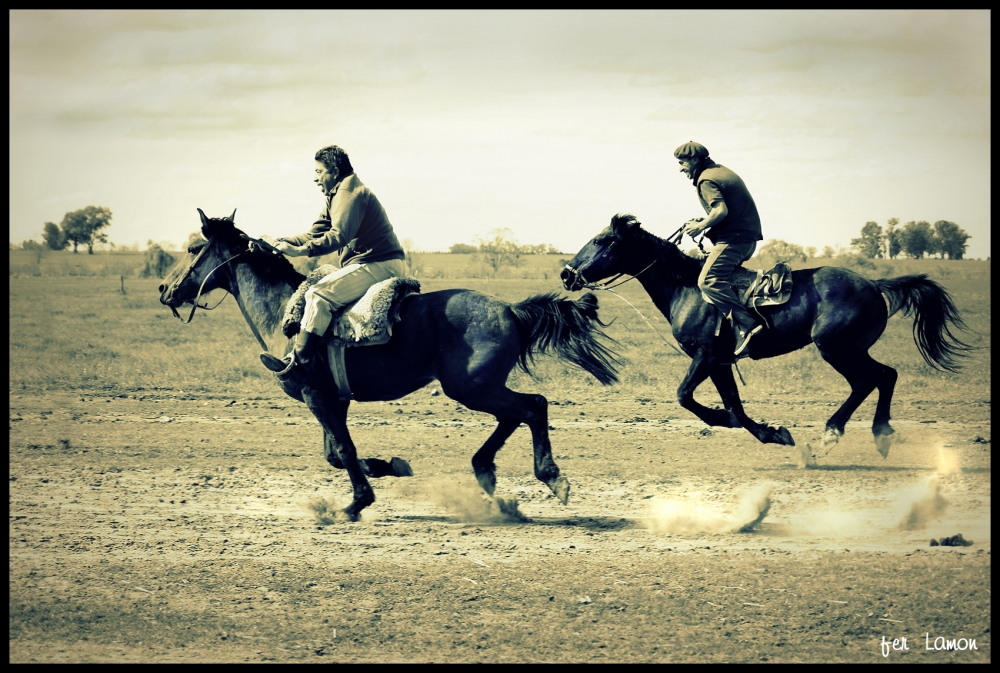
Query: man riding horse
point(732, 225)
point(354, 223)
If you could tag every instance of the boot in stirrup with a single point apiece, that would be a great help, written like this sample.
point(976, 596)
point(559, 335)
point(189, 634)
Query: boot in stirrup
point(302, 353)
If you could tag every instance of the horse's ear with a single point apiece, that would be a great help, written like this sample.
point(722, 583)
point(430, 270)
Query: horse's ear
point(232, 218)
point(204, 217)
point(622, 224)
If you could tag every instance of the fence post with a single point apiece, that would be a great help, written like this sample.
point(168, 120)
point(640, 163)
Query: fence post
point(123, 284)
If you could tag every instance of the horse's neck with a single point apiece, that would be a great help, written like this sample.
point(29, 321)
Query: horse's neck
point(263, 305)
point(662, 294)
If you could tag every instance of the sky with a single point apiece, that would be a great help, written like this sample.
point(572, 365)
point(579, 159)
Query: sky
point(463, 122)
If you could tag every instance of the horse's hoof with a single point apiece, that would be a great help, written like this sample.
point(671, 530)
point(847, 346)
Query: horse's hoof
point(883, 439)
point(487, 481)
point(830, 438)
point(882, 443)
point(400, 467)
point(560, 486)
point(784, 436)
point(348, 515)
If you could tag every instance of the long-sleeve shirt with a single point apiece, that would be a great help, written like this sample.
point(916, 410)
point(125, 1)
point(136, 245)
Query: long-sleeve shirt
point(353, 222)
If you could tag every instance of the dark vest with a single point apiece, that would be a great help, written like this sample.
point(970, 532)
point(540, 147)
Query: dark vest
point(742, 224)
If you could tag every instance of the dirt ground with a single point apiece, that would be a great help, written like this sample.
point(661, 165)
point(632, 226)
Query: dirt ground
point(187, 529)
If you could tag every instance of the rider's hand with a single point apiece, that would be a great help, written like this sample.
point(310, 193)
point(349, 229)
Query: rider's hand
point(694, 227)
point(285, 247)
point(291, 250)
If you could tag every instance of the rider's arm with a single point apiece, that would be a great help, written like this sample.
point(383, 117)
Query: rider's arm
point(715, 207)
point(346, 211)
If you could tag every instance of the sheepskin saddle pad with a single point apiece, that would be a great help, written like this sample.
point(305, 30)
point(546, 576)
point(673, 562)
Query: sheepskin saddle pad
point(366, 322)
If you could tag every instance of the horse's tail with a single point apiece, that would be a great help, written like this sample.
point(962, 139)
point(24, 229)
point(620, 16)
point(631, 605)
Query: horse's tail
point(570, 328)
point(935, 314)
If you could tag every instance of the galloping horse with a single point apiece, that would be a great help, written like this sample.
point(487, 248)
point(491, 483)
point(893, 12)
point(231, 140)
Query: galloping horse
point(468, 341)
point(841, 312)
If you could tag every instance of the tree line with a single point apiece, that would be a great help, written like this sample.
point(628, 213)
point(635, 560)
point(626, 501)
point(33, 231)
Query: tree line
point(915, 239)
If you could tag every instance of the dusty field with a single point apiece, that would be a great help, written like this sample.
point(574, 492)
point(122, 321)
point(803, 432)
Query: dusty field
point(177, 525)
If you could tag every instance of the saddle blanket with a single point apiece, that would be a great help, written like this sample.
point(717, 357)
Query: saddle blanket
point(366, 322)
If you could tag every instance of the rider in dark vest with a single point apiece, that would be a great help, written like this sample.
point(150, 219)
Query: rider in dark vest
point(732, 225)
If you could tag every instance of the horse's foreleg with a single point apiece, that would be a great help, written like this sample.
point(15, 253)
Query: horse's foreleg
point(332, 415)
point(701, 367)
point(372, 467)
point(722, 377)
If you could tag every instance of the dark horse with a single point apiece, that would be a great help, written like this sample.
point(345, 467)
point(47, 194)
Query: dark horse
point(468, 341)
point(836, 309)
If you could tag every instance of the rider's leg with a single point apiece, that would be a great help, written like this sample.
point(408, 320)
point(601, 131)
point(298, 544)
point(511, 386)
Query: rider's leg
point(715, 287)
point(713, 282)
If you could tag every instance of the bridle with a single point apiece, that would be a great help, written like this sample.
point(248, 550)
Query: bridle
point(197, 258)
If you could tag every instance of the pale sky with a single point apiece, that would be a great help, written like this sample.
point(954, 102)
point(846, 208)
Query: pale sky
point(546, 123)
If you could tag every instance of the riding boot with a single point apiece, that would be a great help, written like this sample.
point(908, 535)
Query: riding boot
point(306, 346)
point(744, 330)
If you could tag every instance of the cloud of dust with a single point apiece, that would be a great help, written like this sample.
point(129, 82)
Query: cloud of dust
point(466, 501)
point(920, 504)
point(673, 516)
point(325, 510)
point(947, 462)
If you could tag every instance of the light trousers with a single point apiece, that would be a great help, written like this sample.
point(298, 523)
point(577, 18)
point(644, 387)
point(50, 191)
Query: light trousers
point(342, 287)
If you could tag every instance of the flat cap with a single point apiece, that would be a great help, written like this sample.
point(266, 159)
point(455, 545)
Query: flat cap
point(690, 150)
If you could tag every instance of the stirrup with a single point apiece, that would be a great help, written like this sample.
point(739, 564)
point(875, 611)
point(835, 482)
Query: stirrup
point(741, 347)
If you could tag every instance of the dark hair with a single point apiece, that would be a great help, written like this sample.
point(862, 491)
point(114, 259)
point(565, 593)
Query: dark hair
point(334, 157)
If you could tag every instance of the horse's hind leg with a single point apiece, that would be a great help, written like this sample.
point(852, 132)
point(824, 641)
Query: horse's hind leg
point(862, 373)
point(483, 462)
point(880, 427)
point(512, 409)
point(722, 377)
point(332, 415)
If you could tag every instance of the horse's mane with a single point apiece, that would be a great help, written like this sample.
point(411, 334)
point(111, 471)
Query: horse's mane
point(677, 264)
point(270, 269)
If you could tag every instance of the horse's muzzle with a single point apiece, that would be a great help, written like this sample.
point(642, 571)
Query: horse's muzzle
point(572, 279)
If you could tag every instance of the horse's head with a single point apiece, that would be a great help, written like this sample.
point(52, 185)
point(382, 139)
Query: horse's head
point(201, 271)
point(615, 250)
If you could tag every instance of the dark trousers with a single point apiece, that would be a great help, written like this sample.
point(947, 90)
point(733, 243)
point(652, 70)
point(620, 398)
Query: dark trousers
point(713, 282)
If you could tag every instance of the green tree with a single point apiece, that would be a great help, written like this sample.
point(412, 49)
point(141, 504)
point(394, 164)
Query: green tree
point(782, 251)
point(53, 237)
point(84, 226)
point(499, 249)
point(916, 238)
point(870, 242)
point(462, 249)
point(156, 262)
point(892, 241)
point(950, 239)
point(828, 252)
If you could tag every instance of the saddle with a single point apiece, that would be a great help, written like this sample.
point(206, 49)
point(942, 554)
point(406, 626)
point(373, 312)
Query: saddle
point(366, 322)
point(763, 288)
point(760, 288)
